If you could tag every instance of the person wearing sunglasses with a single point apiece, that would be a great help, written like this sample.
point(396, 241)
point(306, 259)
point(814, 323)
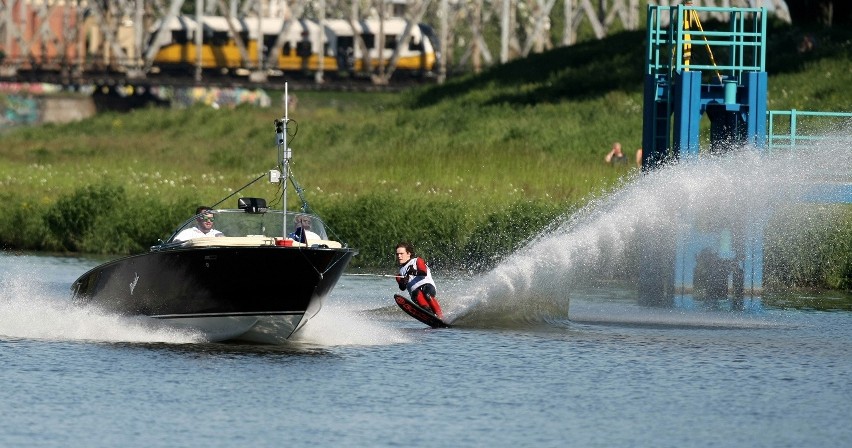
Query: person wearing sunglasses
point(203, 226)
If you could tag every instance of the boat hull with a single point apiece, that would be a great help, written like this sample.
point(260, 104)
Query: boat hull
point(258, 294)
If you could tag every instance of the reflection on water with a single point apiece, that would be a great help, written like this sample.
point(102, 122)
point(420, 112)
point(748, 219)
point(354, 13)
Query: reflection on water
point(233, 350)
point(821, 301)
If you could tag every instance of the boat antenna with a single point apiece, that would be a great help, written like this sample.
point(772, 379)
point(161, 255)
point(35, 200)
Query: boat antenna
point(284, 154)
point(306, 208)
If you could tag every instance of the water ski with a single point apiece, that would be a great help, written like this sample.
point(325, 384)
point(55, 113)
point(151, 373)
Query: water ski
point(416, 311)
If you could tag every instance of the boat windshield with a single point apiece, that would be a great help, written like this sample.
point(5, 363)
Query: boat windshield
point(233, 222)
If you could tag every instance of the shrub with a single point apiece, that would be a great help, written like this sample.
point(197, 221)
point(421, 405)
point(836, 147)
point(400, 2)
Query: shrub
point(817, 254)
point(505, 231)
point(23, 227)
point(71, 218)
point(376, 223)
point(104, 219)
point(134, 229)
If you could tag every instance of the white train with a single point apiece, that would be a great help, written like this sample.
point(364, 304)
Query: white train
point(304, 45)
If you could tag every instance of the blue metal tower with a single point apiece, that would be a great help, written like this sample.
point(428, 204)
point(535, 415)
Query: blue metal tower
point(681, 85)
point(690, 72)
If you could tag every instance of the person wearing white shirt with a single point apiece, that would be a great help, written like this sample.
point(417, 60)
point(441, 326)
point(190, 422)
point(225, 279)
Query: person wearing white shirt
point(203, 227)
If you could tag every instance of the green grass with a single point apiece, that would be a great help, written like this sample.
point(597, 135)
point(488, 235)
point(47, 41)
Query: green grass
point(506, 156)
point(465, 158)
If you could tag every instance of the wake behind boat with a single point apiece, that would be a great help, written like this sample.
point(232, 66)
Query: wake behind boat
point(259, 282)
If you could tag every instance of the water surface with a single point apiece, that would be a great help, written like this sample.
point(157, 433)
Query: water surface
point(364, 373)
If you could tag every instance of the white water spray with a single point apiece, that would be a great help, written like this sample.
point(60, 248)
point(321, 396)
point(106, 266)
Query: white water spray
point(534, 284)
point(29, 310)
point(338, 324)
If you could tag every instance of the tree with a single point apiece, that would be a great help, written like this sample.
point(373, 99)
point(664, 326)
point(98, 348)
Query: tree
point(820, 12)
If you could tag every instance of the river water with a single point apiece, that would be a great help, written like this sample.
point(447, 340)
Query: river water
point(536, 357)
point(364, 374)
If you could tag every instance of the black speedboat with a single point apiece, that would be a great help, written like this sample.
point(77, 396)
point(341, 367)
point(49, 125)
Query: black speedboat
point(255, 283)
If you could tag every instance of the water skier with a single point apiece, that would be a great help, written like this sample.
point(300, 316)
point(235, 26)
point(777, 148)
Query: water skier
point(415, 276)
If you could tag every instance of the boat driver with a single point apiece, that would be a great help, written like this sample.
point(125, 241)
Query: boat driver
point(203, 227)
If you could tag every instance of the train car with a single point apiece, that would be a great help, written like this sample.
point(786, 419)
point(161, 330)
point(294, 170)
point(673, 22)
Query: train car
point(300, 49)
point(305, 46)
point(173, 39)
point(420, 56)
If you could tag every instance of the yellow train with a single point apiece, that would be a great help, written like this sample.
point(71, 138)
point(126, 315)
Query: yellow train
point(302, 45)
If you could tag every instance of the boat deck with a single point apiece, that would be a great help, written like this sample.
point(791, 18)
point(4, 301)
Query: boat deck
point(254, 241)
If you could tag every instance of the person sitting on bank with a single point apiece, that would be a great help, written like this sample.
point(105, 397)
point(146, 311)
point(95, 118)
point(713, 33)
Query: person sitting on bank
point(615, 156)
point(415, 276)
point(303, 231)
point(203, 227)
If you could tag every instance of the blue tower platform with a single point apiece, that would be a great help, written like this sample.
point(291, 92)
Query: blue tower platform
point(680, 88)
point(689, 73)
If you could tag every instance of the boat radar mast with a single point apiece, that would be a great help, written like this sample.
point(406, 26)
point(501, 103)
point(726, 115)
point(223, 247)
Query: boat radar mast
point(284, 154)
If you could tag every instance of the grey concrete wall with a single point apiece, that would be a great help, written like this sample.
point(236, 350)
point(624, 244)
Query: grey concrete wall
point(66, 109)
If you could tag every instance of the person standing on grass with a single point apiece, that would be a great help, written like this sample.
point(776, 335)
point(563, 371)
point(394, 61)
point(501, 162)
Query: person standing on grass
point(615, 156)
point(415, 276)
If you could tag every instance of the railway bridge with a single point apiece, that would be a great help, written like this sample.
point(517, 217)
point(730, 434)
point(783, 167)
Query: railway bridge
point(126, 41)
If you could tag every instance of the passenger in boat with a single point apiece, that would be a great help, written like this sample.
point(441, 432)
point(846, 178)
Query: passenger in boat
point(203, 227)
point(303, 231)
point(615, 156)
point(415, 276)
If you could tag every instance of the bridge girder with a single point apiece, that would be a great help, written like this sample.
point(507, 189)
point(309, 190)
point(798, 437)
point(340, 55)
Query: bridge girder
point(79, 36)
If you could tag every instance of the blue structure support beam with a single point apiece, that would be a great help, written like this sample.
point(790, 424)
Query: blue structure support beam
point(687, 114)
point(756, 85)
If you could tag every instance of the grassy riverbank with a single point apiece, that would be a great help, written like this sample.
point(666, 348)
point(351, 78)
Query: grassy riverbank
point(472, 160)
